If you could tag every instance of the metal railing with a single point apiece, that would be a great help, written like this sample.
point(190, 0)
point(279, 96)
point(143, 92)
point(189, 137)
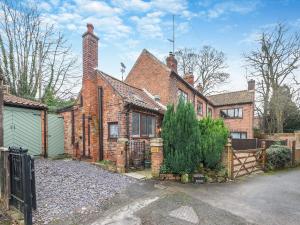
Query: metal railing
point(23, 194)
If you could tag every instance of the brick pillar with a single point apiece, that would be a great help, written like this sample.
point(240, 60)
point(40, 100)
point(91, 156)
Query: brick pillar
point(121, 155)
point(264, 154)
point(4, 177)
point(157, 157)
point(229, 151)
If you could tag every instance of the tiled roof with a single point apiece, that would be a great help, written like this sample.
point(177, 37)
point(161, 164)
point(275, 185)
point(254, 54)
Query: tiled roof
point(22, 102)
point(130, 94)
point(232, 98)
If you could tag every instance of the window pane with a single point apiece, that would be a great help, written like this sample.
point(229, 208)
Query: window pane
point(182, 94)
point(230, 112)
point(151, 126)
point(200, 108)
point(243, 135)
point(240, 112)
point(235, 135)
point(113, 130)
point(144, 131)
point(223, 113)
point(135, 124)
point(209, 112)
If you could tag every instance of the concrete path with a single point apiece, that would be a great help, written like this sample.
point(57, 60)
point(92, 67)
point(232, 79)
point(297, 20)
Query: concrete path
point(262, 200)
point(266, 199)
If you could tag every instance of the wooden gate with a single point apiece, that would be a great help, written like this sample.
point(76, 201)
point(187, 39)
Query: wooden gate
point(245, 162)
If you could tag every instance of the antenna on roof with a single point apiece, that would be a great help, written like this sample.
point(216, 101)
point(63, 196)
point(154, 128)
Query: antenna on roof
point(123, 67)
point(173, 40)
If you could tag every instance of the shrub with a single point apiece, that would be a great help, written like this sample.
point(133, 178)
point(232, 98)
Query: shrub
point(214, 136)
point(181, 136)
point(278, 156)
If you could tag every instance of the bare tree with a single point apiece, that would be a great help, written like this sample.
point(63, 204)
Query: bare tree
point(273, 65)
point(34, 57)
point(210, 69)
point(187, 60)
point(208, 65)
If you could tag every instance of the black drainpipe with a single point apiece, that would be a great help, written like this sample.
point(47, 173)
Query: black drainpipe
point(45, 135)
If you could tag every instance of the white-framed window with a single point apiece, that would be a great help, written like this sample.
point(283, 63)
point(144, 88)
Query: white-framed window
point(232, 113)
point(113, 130)
point(238, 135)
point(182, 94)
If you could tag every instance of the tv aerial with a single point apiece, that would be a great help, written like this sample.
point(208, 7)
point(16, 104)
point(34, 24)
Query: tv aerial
point(123, 67)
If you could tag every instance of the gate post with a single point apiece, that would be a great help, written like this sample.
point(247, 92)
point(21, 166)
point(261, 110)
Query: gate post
point(293, 153)
point(157, 157)
point(121, 154)
point(229, 151)
point(264, 150)
point(4, 177)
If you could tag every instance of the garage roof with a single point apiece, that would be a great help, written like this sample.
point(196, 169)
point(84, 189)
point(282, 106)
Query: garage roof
point(13, 100)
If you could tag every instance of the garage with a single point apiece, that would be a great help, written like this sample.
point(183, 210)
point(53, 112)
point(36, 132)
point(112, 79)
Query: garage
point(23, 124)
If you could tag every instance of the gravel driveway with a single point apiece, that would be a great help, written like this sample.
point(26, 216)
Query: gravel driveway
point(66, 188)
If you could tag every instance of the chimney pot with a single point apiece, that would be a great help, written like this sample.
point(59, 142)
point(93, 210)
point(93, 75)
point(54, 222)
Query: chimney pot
point(90, 28)
point(189, 77)
point(172, 62)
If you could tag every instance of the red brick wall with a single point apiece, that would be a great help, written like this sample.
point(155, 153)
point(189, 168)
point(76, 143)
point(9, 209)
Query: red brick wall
point(239, 125)
point(67, 132)
point(152, 75)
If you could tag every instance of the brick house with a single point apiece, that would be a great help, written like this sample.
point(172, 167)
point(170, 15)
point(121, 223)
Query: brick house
point(237, 108)
point(107, 108)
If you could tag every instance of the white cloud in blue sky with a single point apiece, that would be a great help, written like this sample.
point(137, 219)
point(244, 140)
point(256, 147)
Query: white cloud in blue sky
point(125, 27)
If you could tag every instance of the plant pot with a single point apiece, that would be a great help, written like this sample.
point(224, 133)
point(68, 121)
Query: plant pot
point(137, 163)
point(185, 178)
point(147, 164)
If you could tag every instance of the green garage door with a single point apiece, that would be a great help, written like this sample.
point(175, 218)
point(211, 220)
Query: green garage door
point(22, 128)
point(55, 135)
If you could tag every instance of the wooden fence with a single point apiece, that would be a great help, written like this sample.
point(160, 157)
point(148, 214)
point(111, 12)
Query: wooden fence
point(254, 143)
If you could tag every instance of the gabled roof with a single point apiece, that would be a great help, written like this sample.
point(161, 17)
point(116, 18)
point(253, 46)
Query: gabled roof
point(233, 98)
point(13, 100)
point(177, 76)
point(132, 95)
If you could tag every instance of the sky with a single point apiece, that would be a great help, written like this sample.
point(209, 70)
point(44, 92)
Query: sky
point(126, 27)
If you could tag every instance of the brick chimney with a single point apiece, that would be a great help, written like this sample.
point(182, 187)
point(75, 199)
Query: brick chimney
point(251, 84)
point(172, 62)
point(90, 52)
point(189, 77)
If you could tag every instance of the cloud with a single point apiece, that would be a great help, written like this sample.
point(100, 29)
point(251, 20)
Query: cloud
point(110, 27)
point(97, 7)
point(251, 38)
point(45, 6)
point(227, 7)
point(132, 5)
point(170, 6)
point(149, 25)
